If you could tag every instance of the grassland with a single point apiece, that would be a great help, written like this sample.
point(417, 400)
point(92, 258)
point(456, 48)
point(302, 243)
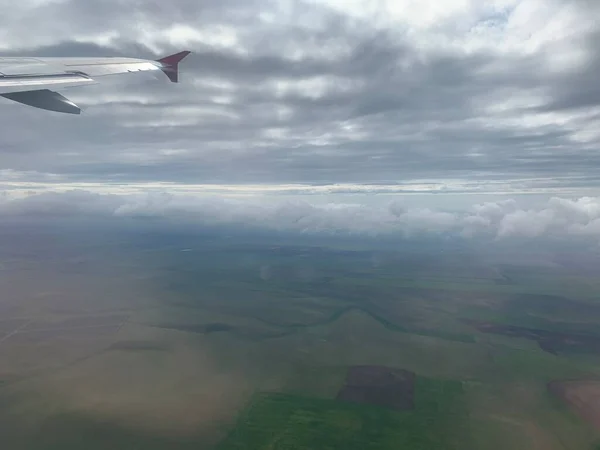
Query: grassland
point(246, 346)
point(346, 310)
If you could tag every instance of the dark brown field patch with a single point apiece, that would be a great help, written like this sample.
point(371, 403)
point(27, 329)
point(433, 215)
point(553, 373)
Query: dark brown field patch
point(554, 342)
point(379, 385)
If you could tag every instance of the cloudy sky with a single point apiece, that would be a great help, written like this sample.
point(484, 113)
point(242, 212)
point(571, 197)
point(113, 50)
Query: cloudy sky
point(323, 102)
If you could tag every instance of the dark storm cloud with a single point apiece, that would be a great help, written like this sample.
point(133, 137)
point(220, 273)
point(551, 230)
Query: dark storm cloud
point(328, 98)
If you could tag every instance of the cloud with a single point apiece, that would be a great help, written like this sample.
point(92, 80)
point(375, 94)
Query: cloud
point(499, 220)
point(57, 204)
point(317, 92)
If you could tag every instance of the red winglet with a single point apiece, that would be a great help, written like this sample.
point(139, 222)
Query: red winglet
point(169, 65)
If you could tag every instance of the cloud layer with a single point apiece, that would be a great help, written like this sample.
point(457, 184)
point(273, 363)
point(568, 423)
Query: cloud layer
point(555, 218)
point(315, 92)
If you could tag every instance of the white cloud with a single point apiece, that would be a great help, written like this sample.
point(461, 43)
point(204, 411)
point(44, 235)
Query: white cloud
point(525, 223)
point(516, 26)
point(557, 217)
point(61, 204)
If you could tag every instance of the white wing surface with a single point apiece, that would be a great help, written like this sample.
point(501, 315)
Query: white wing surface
point(31, 80)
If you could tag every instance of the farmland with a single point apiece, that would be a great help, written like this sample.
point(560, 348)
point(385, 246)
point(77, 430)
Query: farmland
point(252, 345)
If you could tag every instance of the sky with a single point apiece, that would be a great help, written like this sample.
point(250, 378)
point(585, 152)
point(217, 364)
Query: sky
point(328, 114)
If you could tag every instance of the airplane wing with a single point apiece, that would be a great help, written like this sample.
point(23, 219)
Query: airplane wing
point(31, 80)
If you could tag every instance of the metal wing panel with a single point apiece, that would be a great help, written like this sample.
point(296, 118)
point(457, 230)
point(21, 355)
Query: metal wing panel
point(99, 70)
point(98, 67)
point(22, 83)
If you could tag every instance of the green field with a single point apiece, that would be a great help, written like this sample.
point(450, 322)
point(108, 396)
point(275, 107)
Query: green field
point(282, 422)
point(235, 347)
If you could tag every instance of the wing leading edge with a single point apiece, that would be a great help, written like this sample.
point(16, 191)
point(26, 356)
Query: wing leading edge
point(28, 80)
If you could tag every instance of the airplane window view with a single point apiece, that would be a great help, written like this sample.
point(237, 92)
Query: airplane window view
point(300, 224)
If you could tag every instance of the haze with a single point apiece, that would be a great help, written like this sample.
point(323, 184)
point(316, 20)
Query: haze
point(377, 220)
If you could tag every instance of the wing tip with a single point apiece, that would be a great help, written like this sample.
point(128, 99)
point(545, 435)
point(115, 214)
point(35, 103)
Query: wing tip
point(174, 59)
point(170, 64)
